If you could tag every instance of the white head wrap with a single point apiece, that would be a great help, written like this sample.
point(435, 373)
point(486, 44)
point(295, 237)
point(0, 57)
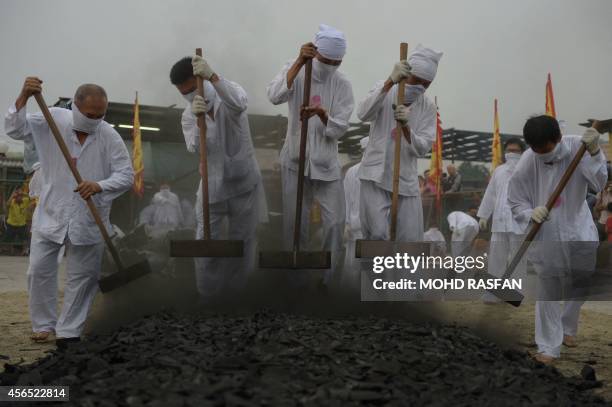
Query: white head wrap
point(424, 62)
point(330, 42)
point(364, 142)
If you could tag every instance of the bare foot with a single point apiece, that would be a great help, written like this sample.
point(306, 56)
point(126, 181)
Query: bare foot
point(40, 337)
point(542, 358)
point(570, 341)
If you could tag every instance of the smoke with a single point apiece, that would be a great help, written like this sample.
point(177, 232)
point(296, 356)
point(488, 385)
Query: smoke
point(491, 49)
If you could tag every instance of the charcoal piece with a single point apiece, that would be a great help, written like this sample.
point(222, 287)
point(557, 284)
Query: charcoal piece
point(588, 373)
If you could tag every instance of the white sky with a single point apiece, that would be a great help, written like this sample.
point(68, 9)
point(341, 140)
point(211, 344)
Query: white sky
point(491, 48)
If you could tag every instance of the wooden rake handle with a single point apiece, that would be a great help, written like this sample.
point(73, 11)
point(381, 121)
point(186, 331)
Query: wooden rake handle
point(77, 176)
point(302, 159)
point(203, 158)
point(398, 150)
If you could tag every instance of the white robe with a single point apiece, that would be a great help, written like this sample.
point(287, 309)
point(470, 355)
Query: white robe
point(322, 170)
point(352, 187)
point(557, 260)
point(377, 164)
point(335, 94)
point(103, 158)
point(506, 233)
point(62, 216)
point(234, 186)
point(465, 229)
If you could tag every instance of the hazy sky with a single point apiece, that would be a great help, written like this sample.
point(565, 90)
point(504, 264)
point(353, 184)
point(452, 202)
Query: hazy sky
point(491, 48)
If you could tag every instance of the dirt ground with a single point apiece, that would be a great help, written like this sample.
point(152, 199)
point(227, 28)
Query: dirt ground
point(505, 325)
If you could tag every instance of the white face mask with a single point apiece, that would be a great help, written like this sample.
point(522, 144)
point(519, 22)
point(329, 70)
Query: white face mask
point(555, 155)
point(189, 96)
point(82, 123)
point(321, 71)
point(210, 94)
point(512, 157)
point(412, 93)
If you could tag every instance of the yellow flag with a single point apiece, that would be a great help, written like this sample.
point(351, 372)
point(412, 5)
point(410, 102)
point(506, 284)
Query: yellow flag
point(137, 163)
point(550, 99)
point(496, 148)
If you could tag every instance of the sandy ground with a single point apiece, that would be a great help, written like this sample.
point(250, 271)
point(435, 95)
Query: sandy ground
point(506, 325)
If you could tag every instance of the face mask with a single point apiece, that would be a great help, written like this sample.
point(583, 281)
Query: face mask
point(321, 71)
point(412, 93)
point(189, 96)
point(512, 157)
point(164, 189)
point(555, 155)
point(210, 94)
point(82, 123)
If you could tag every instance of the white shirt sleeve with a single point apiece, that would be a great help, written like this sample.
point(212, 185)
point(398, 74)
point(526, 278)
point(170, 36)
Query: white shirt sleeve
point(487, 205)
point(231, 94)
point(278, 91)
point(423, 133)
point(519, 194)
point(368, 109)
point(340, 113)
point(122, 172)
point(594, 170)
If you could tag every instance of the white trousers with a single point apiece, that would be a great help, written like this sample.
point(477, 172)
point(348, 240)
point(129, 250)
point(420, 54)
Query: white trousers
point(375, 214)
point(502, 248)
point(82, 274)
point(553, 319)
point(239, 216)
point(330, 196)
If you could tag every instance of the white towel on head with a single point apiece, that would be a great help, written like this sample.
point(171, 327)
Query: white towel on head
point(424, 62)
point(330, 42)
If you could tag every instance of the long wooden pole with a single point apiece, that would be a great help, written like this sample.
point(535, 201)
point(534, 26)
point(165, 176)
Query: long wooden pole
point(302, 162)
point(203, 158)
point(77, 176)
point(398, 150)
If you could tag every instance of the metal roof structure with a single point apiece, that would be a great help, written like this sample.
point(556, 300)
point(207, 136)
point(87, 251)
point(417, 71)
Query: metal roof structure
point(163, 124)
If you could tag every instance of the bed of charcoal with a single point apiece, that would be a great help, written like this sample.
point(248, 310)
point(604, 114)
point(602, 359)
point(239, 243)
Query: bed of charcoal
point(268, 358)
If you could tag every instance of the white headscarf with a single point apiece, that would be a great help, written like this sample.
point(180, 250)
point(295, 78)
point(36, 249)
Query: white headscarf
point(424, 62)
point(330, 42)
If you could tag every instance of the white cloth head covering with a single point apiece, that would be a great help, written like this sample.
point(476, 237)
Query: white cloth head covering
point(364, 142)
point(424, 62)
point(330, 42)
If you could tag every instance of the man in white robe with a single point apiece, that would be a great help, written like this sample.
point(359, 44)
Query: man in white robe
point(62, 216)
point(331, 106)
point(564, 250)
point(352, 187)
point(234, 180)
point(418, 118)
point(506, 235)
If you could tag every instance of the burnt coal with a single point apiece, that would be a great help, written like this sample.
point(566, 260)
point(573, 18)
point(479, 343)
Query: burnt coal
point(268, 358)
